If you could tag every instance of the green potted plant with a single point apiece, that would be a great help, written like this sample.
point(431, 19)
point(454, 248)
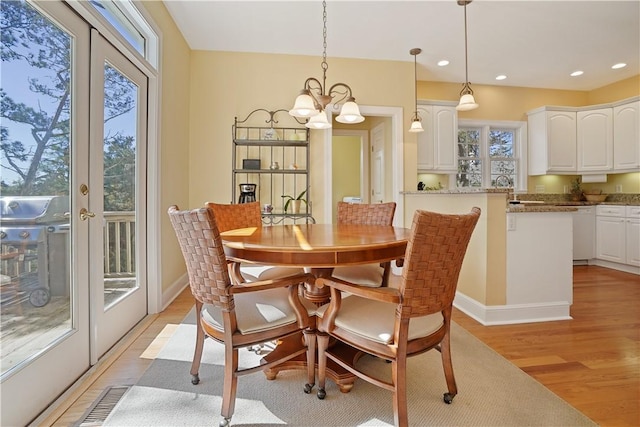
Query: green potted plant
point(576, 190)
point(294, 201)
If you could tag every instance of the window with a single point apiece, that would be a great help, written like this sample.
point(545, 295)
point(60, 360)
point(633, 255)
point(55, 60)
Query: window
point(491, 154)
point(129, 25)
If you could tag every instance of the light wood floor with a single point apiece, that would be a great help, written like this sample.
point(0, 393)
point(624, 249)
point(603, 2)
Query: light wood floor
point(592, 361)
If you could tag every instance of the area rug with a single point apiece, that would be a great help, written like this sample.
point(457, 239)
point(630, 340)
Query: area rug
point(491, 392)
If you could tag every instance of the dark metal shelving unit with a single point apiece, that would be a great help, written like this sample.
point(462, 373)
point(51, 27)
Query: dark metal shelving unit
point(261, 139)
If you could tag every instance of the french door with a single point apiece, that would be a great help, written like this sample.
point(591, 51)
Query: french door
point(74, 135)
point(117, 195)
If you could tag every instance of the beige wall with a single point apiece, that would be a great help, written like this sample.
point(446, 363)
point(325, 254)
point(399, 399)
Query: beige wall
point(229, 84)
point(173, 137)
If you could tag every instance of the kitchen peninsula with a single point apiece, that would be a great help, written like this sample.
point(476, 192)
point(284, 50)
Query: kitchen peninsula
point(518, 267)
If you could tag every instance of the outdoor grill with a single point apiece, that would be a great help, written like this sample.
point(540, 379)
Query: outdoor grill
point(34, 239)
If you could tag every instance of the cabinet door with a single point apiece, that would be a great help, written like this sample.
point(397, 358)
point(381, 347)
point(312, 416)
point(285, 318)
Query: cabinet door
point(595, 140)
point(610, 239)
point(445, 135)
point(561, 141)
point(633, 241)
point(425, 140)
point(438, 143)
point(626, 137)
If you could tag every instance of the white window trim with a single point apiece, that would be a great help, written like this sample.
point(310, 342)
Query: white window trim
point(520, 149)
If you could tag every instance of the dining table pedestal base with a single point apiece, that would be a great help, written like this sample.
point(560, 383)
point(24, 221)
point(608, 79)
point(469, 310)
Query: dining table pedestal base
point(342, 377)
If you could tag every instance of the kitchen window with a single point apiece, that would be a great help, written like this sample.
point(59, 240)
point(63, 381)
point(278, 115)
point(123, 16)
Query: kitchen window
point(491, 154)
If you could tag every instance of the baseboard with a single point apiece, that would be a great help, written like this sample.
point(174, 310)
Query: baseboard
point(172, 292)
point(616, 266)
point(512, 314)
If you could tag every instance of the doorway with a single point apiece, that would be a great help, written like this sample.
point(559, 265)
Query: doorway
point(393, 151)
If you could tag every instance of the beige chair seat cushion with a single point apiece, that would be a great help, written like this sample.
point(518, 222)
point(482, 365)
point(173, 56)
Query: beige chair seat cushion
point(375, 320)
point(272, 273)
point(369, 275)
point(258, 311)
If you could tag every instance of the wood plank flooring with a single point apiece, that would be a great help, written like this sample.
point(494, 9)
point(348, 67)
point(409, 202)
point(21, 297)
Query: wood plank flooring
point(592, 361)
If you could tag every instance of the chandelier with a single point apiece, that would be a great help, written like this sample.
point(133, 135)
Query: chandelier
point(467, 102)
point(313, 98)
point(416, 124)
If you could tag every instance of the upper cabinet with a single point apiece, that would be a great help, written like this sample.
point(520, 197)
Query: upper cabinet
point(595, 140)
point(626, 137)
point(585, 140)
point(552, 141)
point(438, 143)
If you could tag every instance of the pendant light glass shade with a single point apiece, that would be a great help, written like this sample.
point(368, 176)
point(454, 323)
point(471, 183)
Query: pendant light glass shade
point(416, 126)
point(304, 106)
point(319, 121)
point(467, 102)
point(350, 113)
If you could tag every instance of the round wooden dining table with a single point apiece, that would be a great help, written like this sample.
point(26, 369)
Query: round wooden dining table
point(318, 248)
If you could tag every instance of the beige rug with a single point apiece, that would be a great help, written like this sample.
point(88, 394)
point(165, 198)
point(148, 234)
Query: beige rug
point(491, 392)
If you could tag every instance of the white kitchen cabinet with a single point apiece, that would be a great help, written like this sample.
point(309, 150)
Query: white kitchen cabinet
point(626, 137)
point(632, 229)
point(584, 233)
point(437, 145)
point(552, 141)
point(595, 140)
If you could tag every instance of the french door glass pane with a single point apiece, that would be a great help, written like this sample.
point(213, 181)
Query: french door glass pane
point(35, 268)
point(120, 130)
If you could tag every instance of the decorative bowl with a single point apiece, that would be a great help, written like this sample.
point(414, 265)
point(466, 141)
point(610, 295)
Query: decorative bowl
point(595, 197)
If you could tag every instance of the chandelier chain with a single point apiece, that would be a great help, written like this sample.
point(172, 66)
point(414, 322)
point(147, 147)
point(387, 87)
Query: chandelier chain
point(325, 65)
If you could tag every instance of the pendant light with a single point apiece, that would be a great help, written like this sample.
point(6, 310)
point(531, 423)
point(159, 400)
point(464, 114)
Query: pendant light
point(315, 97)
point(467, 101)
point(416, 124)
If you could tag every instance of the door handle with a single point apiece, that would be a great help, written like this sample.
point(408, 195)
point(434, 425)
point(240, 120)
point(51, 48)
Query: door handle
point(85, 214)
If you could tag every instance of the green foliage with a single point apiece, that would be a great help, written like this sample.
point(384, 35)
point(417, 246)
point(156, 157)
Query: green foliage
point(291, 198)
point(41, 164)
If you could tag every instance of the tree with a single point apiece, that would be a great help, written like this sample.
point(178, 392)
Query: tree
point(42, 163)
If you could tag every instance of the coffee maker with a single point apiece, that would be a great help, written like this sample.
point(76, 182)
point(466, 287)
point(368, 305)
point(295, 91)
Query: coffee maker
point(247, 193)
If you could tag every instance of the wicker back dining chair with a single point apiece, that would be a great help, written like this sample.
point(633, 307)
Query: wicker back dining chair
point(394, 324)
point(373, 275)
point(232, 313)
point(246, 215)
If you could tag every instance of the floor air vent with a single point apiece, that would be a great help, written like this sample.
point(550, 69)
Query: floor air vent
point(102, 407)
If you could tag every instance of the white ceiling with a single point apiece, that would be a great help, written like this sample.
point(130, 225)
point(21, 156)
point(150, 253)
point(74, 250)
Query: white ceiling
point(535, 43)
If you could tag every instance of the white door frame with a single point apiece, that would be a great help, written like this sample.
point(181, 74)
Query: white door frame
point(397, 158)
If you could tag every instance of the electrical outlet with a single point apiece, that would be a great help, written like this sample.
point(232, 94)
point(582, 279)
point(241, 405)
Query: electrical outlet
point(618, 188)
point(566, 189)
point(540, 188)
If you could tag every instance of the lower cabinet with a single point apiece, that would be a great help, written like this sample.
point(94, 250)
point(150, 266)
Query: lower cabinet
point(618, 234)
point(632, 228)
point(584, 233)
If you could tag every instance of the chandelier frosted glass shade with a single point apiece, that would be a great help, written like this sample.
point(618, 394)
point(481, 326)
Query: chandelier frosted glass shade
point(467, 102)
point(304, 107)
point(350, 113)
point(319, 121)
point(416, 126)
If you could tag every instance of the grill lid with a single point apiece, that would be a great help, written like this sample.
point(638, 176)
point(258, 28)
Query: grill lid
point(33, 209)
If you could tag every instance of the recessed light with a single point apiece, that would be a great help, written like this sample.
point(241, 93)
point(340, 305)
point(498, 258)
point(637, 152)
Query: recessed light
point(443, 63)
point(501, 77)
point(577, 73)
point(619, 65)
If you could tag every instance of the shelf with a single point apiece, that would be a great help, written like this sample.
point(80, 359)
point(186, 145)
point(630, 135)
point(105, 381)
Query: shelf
point(283, 141)
point(272, 171)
